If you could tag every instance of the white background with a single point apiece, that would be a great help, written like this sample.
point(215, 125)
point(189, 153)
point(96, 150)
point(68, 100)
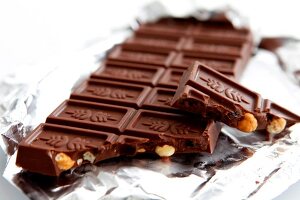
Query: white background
point(34, 31)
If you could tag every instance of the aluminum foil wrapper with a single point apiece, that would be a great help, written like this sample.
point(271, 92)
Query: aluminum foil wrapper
point(243, 165)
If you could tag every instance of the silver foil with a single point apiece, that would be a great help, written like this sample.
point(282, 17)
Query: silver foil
point(243, 166)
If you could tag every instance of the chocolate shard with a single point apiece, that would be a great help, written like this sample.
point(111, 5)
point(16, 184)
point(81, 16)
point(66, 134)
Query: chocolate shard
point(206, 91)
point(51, 149)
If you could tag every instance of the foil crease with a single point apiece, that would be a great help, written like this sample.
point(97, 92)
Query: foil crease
point(242, 167)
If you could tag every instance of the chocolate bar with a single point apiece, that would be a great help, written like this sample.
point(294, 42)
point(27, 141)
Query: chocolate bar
point(124, 108)
point(208, 92)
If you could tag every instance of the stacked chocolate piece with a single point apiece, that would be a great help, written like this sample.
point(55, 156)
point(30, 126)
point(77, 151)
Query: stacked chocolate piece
point(124, 108)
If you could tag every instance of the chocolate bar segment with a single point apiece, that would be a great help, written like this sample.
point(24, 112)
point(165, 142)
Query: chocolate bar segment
point(170, 30)
point(221, 49)
point(90, 115)
point(103, 91)
point(51, 149)
point(222, 34)
point(228, 66)
point(131, 55)
point(155, 43)
point(129, 72)
point(213, 95)
point(185, 134)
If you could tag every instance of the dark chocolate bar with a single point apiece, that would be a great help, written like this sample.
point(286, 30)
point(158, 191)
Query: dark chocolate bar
point(213, 95)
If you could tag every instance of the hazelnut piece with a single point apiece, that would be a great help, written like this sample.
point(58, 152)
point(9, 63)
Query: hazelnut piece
point(63, 161)
point(276, 125)
point(248, 123)
point(165, 151)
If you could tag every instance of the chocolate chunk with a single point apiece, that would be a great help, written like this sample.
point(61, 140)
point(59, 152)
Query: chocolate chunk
point(129, 72)
point(213, 95)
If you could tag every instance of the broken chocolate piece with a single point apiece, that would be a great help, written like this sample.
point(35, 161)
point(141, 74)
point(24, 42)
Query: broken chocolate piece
point(206, 91)
point(51, 149)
